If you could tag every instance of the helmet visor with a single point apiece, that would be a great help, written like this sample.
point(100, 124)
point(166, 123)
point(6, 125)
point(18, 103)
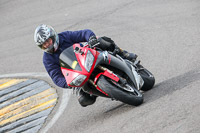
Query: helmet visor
point(48, 49)
point(47, 44)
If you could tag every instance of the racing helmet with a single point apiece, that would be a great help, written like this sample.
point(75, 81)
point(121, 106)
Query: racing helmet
point(43, 33)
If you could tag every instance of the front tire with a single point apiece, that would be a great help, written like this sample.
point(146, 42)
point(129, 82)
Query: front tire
point(117, 93)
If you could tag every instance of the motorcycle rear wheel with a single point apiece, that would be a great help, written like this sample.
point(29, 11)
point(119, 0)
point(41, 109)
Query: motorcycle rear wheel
point(132, 98)
point(148, 78)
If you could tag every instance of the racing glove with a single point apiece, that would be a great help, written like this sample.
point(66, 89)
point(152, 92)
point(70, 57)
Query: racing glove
point(92, 41)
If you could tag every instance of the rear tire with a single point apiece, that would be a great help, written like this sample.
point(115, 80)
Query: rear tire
point(148, 78)
point(117, 93)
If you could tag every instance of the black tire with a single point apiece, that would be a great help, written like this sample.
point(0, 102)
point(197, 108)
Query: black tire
point(118, 94)
point(148, 78)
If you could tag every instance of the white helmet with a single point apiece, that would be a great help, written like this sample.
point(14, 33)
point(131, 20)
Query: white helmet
point(44, 32)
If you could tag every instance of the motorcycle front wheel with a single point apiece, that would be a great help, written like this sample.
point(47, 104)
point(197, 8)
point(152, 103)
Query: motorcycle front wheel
point(116, 92)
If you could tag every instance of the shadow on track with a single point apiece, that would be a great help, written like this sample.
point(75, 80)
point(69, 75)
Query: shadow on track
point(169, 86)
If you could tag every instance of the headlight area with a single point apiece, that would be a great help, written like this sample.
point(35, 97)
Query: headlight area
point(89, 61)
point(78, 80)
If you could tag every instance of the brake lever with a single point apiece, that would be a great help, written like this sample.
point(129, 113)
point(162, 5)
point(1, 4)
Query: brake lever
point(95, 45)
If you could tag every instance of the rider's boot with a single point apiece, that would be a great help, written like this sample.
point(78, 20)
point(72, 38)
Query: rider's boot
point(84, 99)
point(126, 55)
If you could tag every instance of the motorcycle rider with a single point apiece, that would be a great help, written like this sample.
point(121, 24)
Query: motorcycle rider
point(53, 44)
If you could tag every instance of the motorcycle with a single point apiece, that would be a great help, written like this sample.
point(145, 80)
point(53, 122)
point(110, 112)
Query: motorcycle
point(106, 74)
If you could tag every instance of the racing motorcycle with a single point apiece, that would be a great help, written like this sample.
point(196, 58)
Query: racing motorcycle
point(105, 73)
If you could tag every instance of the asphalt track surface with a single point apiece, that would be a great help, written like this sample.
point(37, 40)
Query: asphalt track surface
point(164, 33)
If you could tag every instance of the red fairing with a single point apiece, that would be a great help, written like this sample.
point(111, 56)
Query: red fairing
point(109, 58)
point(70, 74)
point(107, 74)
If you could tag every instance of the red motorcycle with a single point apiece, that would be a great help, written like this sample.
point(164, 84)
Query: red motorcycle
point(106, 74)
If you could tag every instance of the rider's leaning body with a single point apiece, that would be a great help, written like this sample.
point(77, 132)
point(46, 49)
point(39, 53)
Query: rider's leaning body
point(51, 61)
point(53, 44)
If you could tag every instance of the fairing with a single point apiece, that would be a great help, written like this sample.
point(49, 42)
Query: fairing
point(72, 62)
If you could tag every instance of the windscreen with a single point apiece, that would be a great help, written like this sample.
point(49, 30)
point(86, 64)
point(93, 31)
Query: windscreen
point(68, 59)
